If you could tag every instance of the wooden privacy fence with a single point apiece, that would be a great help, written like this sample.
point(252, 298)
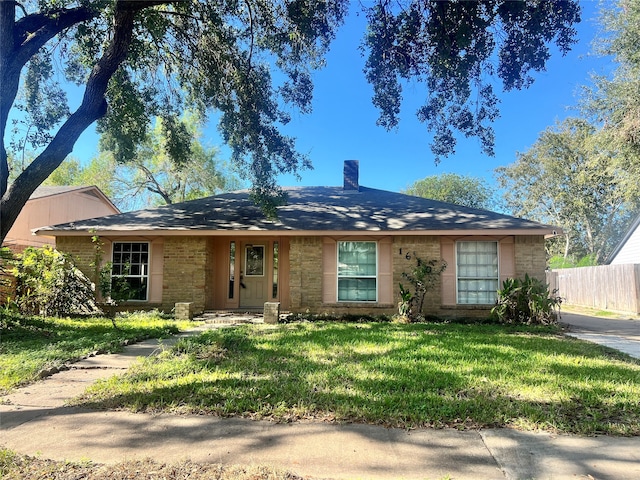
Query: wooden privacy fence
point(607, 287)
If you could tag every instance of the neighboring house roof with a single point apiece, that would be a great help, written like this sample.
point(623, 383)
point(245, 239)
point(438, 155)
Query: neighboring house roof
point(51, 190)
point(308, 209)
point(630, 233)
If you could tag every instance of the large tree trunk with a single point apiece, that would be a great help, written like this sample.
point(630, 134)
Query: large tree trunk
point(93, 105)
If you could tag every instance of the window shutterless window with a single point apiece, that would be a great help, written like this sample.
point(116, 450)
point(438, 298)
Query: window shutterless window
point(130, 264)
point(357, 271)
point(477, 272)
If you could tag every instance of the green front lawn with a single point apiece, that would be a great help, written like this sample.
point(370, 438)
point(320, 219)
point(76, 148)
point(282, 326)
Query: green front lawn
point(464, 376)
point(31, 345)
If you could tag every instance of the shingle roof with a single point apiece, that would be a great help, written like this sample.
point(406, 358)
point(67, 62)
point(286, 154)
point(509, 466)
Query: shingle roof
point(47, 190)
point(308, 209)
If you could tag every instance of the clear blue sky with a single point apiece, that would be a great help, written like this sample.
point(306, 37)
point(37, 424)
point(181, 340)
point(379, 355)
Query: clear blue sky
point(343, 122)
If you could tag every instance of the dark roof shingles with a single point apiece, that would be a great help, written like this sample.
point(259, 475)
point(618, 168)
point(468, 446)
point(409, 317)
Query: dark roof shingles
point(309, 209)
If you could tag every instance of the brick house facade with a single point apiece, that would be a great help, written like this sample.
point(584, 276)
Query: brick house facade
point(331, 250)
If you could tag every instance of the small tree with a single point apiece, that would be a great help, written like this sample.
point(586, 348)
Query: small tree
point(424, 276)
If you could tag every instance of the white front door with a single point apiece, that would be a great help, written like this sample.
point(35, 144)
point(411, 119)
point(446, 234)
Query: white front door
point(253, 277)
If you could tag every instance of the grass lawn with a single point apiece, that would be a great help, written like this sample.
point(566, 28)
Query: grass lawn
point(416, 375)
point(30, 345)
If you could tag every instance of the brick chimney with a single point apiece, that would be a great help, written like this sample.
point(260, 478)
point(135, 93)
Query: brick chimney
point(351, 175)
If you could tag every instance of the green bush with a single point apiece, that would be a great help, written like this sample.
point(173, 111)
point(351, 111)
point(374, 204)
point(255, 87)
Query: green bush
point(423, 277)
point(48, 283)
point(527, 302)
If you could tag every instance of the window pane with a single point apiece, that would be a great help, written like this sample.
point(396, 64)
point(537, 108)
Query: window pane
point(357, 259)
point(357, 271)
point(254, 261)
point(477, 271)
point(357, 290)
point(274, 291)
point(232, 268)
point(130, 268)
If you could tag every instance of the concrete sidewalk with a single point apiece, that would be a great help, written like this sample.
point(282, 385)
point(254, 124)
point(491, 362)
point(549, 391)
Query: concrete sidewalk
point(621, 334)
point(35, 421)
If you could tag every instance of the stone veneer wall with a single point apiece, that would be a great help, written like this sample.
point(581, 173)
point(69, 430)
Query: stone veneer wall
point(184, 279)
point(426, 248)
point(305, 273)
point(530, 256)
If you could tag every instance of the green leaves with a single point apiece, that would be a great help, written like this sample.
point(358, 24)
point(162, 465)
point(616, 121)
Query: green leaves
point(48, 283)
point(453, 188)
point(526, 301)
point(452, 47)
point(569, 178)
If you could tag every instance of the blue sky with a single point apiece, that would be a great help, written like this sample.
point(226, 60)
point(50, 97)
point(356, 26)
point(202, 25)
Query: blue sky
point(343, 122)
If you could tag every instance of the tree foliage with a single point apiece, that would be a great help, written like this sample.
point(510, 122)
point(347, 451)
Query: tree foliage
point(567, 178)
point(250, 62)
point(614, 102)
point(457, 49)
point(469, 191)
point(48, 283)
point(153, 178)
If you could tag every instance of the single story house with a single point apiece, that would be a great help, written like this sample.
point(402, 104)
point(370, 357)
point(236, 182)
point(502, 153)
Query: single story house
point(330, 250)
point(628, 250)
point(49, 205)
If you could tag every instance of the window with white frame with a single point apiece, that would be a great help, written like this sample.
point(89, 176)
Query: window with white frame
point(357, 271)
point(130, 264)
point(477, 272)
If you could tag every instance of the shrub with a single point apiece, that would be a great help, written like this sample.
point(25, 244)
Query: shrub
point(423, 277)
point(527, 302)
point(48, 283)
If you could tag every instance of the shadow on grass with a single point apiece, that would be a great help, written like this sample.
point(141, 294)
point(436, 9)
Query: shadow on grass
point(31, 344)
point(397, 375)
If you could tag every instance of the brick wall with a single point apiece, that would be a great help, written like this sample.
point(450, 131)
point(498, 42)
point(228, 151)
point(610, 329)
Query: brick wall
point(305, 273)
point(426, 248)
point(83, 252)
point(305, 282)
point(184, 280)
point(530, 257)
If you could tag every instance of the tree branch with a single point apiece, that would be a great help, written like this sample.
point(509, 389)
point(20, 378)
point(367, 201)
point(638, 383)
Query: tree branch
point(93, 107)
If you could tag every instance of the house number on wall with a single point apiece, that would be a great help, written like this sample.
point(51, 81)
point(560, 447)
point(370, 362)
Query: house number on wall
point(407, 255)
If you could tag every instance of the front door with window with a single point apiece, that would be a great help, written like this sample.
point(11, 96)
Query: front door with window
point(254, 278)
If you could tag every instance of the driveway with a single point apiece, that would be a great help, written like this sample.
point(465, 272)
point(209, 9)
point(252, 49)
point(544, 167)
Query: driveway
point(623, 335)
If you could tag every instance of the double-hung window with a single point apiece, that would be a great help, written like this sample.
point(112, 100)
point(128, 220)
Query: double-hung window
point(477, 272)
point(357, 271)
point(130, 269)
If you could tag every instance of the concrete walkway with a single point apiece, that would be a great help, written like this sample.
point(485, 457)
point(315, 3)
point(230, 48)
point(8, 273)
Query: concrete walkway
point(621, 334)
point(35, 421)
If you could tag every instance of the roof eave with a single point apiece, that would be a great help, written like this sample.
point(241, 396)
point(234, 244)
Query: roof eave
point(548, 232)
